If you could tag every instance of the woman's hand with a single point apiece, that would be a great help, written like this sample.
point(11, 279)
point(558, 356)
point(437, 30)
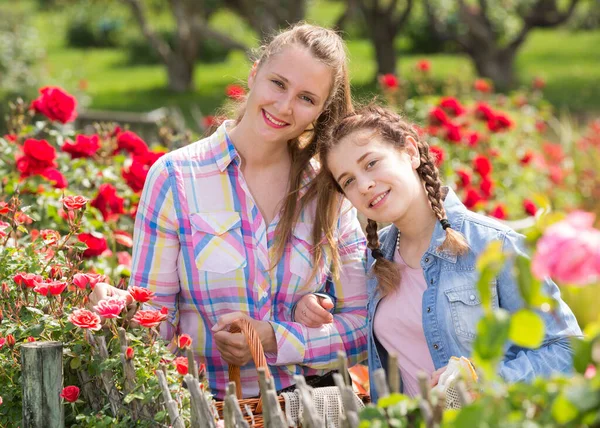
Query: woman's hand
point(103, 291)
point(313, 311)
point(234, 347)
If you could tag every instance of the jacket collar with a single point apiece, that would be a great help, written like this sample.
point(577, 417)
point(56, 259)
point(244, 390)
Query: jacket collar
point(455, 210)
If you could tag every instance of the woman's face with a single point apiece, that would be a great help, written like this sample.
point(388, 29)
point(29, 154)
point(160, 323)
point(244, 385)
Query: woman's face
point(287, 94)
point(380, 180)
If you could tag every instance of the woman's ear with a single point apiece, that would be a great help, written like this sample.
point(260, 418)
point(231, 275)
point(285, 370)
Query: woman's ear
point(411, 147)
point(252, 75)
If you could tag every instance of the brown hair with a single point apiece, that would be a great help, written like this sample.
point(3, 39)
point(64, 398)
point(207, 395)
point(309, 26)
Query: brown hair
point(328, 47)
point(392, 128)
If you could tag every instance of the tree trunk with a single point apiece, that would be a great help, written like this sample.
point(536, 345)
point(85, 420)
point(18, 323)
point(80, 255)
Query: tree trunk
point(385, 51)
point(496, 65)
point(180, 73)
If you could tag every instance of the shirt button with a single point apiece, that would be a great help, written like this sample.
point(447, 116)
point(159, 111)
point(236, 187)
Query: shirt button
point(429, 309)
point(431, 281)
point(426, 259)
point(435, 346)
point(472, 297)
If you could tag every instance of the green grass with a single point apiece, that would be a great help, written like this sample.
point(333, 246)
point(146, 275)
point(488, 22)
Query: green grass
point(569, 62)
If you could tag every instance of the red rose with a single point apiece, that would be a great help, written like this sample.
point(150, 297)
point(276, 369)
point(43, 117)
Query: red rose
point(538, 83)
point(184, 341)
point(472, 198)
point(70, 393)
point(181, 363)
point(482, 85)
point(49, 236)
point(129, 353)
point(473, 139)
point(464, 177)
point(499, 212)
point(38, 155)
point(55, 177)
point(107, 202)
point(3, 226)
point(111, 307)
point(4, 208)
point(389, 81)
point(140, 294)
point(135, 174)
point(123, 238)
point(482, 165)
point(484, 112)
point(74, 202)
point(486, 187)
point(55, 104)
point(149, 318)
point(81, 280)
point(10, 340)
point(556, 174)
point(96, 244)
point(437, 116)
point(235, 91)
point(11, 138)
point(453, 132)
point(132, 143)
point(423, 66)
point(84, 146)
point(27, 279)
point(31, 339)
point(52, 288)
point(83, 318)
point(451, 106)
point(526, 158)
point(529, 207)
point(553, 152)
point(438, 155)
point(499, 123)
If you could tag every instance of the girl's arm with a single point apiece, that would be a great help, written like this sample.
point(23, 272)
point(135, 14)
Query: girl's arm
point(555, 354)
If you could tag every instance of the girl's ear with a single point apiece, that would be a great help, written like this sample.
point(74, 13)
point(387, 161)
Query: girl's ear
point(252, 75)
point(412, 149)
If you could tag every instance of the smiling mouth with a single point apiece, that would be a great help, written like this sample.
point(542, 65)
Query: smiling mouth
point(378, 199)
point(273, 121)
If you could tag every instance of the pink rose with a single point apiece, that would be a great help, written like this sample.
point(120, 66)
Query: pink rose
point(569, 251)
point(111, 307)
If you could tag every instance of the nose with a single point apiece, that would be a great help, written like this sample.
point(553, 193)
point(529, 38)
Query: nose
point(285, 104)
point(365, 184)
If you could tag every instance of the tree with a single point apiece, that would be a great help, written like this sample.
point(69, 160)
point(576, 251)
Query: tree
point(191, 18)
point(384, 21)
point(483, 31)
point(268, 16)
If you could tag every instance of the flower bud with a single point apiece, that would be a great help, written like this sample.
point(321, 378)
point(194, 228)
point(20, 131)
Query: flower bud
point(31, 339)
point(10, 340)
point(129, 353)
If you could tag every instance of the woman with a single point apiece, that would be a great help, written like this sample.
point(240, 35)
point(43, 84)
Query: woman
point(223, 228)
point(423, 303)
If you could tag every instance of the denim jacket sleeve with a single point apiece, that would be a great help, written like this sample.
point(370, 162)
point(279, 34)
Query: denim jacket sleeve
point(555, 354)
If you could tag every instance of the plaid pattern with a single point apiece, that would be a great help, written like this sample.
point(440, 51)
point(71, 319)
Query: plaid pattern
point(201, 245)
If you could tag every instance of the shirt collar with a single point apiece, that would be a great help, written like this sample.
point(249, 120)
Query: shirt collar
point(222, 148)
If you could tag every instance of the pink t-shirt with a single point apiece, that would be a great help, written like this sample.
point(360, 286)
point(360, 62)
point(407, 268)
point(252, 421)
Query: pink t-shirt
point(398, 325)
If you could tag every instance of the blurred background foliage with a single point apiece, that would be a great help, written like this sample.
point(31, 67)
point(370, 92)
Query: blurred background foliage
point(96, 49)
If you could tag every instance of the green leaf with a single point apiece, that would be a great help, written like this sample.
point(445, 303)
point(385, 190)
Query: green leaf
point(563, 411)
point(34, 310)
point(527, 329)
point(492, 333)
point(132, 396)
point(75, 363)
point(391, 400)
point(582, 354)
point(489, 265)
point(160, 416)
point(529, 286)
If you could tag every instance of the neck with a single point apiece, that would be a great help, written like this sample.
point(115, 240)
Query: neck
point(254, 151)
point(418, 224)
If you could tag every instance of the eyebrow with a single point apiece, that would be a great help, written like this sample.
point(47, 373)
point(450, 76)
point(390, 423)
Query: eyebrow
point(359, 160)
point(287, 81)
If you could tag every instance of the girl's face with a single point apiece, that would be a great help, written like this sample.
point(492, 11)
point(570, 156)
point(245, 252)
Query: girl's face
point(380, 180)
point(287, 94)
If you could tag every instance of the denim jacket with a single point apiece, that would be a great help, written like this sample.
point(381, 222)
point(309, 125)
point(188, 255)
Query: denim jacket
point(452, 305)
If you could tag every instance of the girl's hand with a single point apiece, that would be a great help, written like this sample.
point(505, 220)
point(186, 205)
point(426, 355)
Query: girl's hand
point(313, 311)
point(435, 376)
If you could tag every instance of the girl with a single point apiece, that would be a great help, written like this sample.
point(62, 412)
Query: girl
point(423, 303)
point(223, 225)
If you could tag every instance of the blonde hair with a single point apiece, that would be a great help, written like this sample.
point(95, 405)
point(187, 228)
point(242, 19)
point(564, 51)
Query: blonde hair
point(328, 47)
point(393, 129)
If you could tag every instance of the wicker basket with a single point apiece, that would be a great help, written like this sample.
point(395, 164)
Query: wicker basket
point(254, 404)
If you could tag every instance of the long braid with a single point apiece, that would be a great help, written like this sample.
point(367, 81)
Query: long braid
point(386, 271)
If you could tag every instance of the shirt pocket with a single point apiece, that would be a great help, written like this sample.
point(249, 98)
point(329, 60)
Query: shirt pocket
point(301, 262)
point(218, 241)
point(466, 308)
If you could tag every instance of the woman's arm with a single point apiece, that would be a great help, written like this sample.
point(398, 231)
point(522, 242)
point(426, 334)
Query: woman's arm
point(555, 354)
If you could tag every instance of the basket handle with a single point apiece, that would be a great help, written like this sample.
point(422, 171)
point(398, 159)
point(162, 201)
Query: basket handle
point(243, 325)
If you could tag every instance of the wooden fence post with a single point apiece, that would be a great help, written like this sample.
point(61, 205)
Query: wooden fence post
point(41, 364)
